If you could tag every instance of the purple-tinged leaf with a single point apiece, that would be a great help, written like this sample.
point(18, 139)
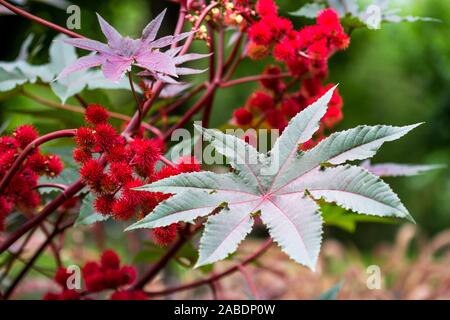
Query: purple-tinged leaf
point(173, 90)
point(169, 40)
point(173, 51)
point(111, 34)
point(157, 62)
point(151, 30)
point(188, 71)
point(189, 57)
point(114, 68)
point(82, 63)
point(88, 44)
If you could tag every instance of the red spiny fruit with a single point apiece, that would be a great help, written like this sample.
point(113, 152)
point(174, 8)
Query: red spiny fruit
point(188, 164)
point(276, 119)
point(103, 204)
point(160, 144)
point(85, 138)
point(318, 50)
point(6, 160)
point(120, 172)
point(128, 295)
point(92, 174)
point(105, 136)
point(145, 154)
point(133, 196)
point(112, 278)
point(123, 209)
point(49, 165)
point(128, 275)
point(25, 134)
point(90, 268)
point(95, 282)
point(165, 172)
point(36, 162)
point(165, 235)
point(8, 143)
point(266, 8)
point(149, 201)
point(278, 26)
point(67, 294)
point(274, 84)
point(108, 274)
point(334, 111)
point(110, 260)
point(54, 166)
point(118, 153)
point(311, 87)
point(285, 51)
point(61, 277)
point(290, 107)
point(260, 33)
point(328, 17)
point(96, 114)
point(81, 155)
point(261, 101)
point(341, 41)
point(242, 116)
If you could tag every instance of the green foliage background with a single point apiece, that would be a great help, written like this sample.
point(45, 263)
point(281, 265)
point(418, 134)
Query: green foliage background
point(397, 75)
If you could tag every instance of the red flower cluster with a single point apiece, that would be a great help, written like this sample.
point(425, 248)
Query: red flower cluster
point(276, 107)
point(308, 50)
point(269, 30)
point(106, 275)
point(129, 165)
point(305, 53)
point(21, 192)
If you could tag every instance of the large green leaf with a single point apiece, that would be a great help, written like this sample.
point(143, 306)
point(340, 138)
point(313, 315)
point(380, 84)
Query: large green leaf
point(286, 198)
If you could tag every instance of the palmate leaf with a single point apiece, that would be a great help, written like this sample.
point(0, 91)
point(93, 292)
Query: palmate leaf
point(283, 187)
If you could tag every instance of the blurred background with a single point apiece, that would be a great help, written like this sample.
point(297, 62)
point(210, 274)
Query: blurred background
point(397, 75)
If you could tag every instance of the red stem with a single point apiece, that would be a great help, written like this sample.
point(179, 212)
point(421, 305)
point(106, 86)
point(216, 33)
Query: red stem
point(192, 111)
point(44, 22)
point(197, 24)
point(36, 220)
point(30, 263)
point(217, 276)
point(152, 272)
point(253, 78)
point(27, 151)
point(249, 280)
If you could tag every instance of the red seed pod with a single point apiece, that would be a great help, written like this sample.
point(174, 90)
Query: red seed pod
point(110, 260)
point(96, 114)
point(242, 116)
point(25, 134)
